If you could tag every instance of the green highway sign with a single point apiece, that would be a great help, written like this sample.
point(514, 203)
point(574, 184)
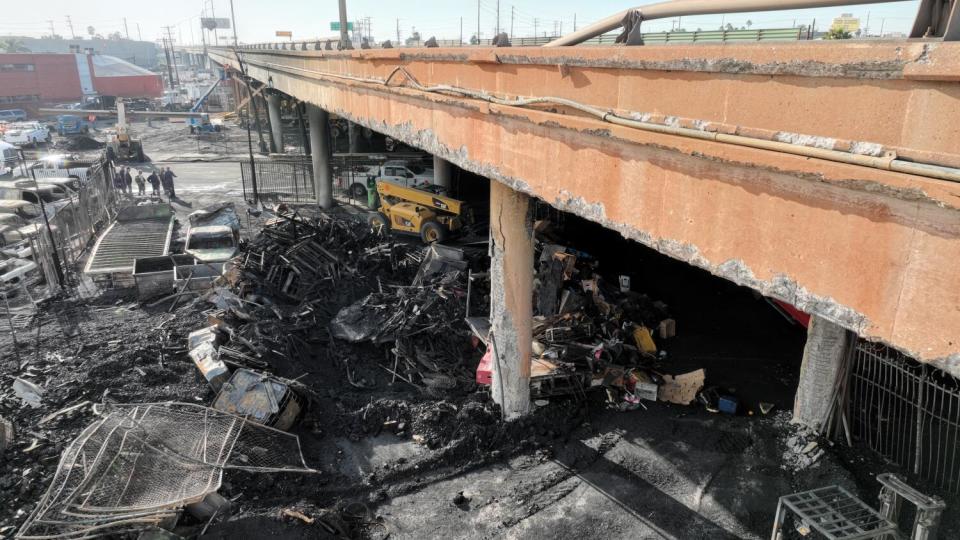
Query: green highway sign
point(335, 26)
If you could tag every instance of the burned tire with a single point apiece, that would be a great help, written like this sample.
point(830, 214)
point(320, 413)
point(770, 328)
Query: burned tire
point(379, 221)
point(358, 191)
point(432, 231)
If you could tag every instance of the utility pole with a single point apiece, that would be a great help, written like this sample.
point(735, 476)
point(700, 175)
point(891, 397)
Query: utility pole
point(172, 57)
point(866, 27)
point(461, 31)
point(511, 22)
point(125, 29)
point(52, 31)
point(344, 38)
point(398, 32)
point(70, 24)
point(233, 20)
point(139, 35)
point(535, 21)
point(498, 17)
point(574, 22)
point(478, 22)
point(166, 54)
point(883, 20)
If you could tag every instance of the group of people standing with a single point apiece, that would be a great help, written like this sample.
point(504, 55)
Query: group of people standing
point(123, 180)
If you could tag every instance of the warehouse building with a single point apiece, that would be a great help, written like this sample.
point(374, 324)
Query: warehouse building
point(32, 80)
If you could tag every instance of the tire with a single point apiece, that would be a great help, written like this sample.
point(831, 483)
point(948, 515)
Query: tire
point(432, 231)
point(379, 221)
point(358, 191)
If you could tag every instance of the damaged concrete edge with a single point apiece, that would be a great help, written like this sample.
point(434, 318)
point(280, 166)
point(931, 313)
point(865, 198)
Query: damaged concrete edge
point(853, 147)
point(880, 69)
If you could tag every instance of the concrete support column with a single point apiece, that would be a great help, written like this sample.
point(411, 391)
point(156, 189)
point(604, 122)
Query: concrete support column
point(353, 137)
point(826, 350)
point(276, 128)
point(442, 172)
point(321, 146)
point(511, 297)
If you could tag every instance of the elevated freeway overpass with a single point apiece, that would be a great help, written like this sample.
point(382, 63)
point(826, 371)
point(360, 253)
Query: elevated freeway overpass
point(824, 174)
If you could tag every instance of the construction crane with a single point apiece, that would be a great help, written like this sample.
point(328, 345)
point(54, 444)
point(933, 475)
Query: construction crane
point(202, 123)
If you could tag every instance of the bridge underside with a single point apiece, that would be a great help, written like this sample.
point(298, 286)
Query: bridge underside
point(872, 250)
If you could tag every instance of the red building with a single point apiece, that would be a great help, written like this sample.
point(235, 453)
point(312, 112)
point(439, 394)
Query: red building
point(31, 80)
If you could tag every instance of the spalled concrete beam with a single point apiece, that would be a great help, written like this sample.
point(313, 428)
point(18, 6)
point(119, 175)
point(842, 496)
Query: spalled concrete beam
point(511, 298)
point(864, 248)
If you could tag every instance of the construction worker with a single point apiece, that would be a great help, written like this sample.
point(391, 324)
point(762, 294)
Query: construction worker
point(141, 184)
point(154, 183)
point(128, 180)
point(118, 180)
point(166, 178)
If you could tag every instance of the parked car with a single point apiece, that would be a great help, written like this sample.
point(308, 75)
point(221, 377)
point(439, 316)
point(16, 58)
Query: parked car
point(23, 209)
point(13, 115)
point(27, 133)
point(46, 193)
point(71, 185)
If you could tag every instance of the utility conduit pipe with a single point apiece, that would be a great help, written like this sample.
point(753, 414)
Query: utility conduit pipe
point(684, 8)
point(887, 162)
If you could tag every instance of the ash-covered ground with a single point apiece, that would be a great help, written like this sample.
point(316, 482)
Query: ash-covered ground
point(394, 460)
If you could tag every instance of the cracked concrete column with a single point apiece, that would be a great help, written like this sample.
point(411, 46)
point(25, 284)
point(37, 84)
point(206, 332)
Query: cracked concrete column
point(276, 128)
point(511, 297)
point(826, 350)
point(442, 172)
point(320, 154)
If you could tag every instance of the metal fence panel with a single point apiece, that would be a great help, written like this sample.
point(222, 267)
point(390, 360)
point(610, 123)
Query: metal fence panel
point(290, 179)
point(907, 412)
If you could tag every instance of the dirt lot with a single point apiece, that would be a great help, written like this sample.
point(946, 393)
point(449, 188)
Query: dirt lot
point(395, 461)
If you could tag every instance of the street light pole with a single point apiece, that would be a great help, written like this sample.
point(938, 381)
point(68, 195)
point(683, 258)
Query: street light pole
point(233, 19)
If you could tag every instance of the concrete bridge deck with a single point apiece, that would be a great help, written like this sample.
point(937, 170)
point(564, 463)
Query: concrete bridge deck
point(833, 232)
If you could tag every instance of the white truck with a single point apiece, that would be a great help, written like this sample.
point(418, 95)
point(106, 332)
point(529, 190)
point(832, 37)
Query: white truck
point(401, 173)
point(25, 133)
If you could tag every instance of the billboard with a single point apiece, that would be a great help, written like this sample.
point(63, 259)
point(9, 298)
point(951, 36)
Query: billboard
point(284, 33)
point(211, 23)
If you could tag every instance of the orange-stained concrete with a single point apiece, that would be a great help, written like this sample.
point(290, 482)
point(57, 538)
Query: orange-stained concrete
point(902, 95)
point(872, 250)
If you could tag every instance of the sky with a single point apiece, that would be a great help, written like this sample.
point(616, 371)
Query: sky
point(258, 20)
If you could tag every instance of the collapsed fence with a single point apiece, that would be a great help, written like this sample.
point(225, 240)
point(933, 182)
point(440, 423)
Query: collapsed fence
point(907, 412)
point(76, 220)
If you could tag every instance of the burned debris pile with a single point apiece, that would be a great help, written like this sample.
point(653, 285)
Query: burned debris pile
point(425, 322)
